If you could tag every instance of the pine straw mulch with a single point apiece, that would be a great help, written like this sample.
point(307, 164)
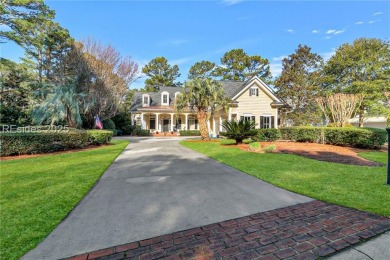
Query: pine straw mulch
point(320, 152)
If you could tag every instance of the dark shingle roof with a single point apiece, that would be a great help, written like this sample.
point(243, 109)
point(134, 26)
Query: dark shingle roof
point(231, 89)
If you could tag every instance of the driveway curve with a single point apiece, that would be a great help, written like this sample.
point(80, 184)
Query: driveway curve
point(155, 187)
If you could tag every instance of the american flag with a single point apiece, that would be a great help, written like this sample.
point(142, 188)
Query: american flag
point(98, 123)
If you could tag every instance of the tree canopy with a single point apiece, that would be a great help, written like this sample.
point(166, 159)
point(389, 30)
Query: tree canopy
point(299, 84)
point(160, 74)
point(205, 96)
point(362, 67)
point(202, 69)
point(238, 65)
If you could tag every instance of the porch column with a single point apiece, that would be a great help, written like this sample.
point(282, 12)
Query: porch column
point(208, 125)
point(142, 121)
point(186, 121)
point(214, 131)
point(172, 125)
point(158, 122)
point(220, 124)
point(230, 114)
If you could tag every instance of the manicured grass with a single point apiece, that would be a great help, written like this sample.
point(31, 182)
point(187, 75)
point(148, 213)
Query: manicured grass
point(359, 187)
point(37, 193)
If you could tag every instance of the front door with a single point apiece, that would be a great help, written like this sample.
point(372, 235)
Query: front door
point(166, 125)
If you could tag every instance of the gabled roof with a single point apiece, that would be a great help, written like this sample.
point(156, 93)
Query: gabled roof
point(233, 89)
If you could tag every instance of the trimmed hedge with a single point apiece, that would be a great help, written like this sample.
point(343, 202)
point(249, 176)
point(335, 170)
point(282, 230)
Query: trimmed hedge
point(139, 132)
point(189, 133)
point(267, 134)
point(99, 137)
point(44, 142)
point(302, 134)
point(370, 138)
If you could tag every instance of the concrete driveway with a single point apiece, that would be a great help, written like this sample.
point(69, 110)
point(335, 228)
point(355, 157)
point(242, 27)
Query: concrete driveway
point(155, 187)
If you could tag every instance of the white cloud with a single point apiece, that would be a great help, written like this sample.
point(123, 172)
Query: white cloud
point(331, 31)
point(374, 21)
point(377, 13)
point(279, 58)
point(276, 69)
point(315, 31)
point(328, 37)
point(359, 23)
point(339, 32)
point(326, 55)
point(231, 2)
point(180, 61)
point(290, 31)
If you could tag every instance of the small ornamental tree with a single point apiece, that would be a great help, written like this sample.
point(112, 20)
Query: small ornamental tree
point(239, 130)
point(205, 96)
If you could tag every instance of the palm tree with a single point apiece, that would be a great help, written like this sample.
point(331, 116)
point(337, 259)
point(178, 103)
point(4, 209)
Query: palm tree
point(239, 130)
point(65, 103)
point(204, 95)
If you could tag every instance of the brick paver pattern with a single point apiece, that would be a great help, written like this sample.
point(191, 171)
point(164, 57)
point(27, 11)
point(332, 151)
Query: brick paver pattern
point(305, 231)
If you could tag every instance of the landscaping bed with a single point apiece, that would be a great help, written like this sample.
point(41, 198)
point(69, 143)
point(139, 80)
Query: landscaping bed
point(320, 152)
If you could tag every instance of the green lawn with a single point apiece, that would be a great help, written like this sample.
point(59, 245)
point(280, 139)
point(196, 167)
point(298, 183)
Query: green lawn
point(359, 187)
point(37, 193)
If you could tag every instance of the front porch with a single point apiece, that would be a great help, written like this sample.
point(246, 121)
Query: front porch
point(174, 122)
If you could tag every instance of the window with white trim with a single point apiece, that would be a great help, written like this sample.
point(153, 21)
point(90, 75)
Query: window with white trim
point(248, 118)
point(267, 122)
point(145, 100)
point(165, 99)
point(254, 91)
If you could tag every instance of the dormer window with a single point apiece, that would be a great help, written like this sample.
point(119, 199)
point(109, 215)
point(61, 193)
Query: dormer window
point(145, 100)
point(254, 91)
point(165, 98)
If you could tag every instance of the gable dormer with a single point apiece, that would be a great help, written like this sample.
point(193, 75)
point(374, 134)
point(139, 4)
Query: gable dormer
point(165, 98)
point(145, 100)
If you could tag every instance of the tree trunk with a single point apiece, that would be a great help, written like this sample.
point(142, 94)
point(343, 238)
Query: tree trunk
point(204, 131)
point(361, 116)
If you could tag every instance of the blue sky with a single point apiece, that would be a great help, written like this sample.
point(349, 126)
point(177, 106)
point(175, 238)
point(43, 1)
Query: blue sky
point(189, 31)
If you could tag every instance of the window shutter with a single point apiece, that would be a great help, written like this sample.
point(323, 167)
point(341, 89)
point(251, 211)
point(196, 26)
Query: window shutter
point(253, 118)
point(257, 92)
point(272, 122)
point(261, 122)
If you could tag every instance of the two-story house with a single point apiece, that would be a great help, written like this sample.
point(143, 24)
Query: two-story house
point(251, 100)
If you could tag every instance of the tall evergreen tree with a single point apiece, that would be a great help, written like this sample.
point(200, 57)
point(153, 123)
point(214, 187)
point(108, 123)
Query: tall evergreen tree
point(299, 84)
point(160, 74)
point(238, 65)
point(202, 69)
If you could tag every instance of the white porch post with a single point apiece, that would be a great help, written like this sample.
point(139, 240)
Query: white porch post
point(230, 114)
point(214, 132)
point(142, 121)
point(158, 122)
point(172, 125)
point(186, 121)
point(276, 119)
point(208, 125)
point(220, 124)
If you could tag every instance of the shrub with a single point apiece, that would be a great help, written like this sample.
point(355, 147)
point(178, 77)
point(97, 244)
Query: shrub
point(255, 146)
point(108, 124)
point(302, 134)
point(114, 131)
point(17, 143)
point(334, 125)
point(128, 129)
point(269, 149)
point(99, 137)
point(239, 130)
point(267, 134)
point(371, 138)
point(189, 132)
point(139, 132)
